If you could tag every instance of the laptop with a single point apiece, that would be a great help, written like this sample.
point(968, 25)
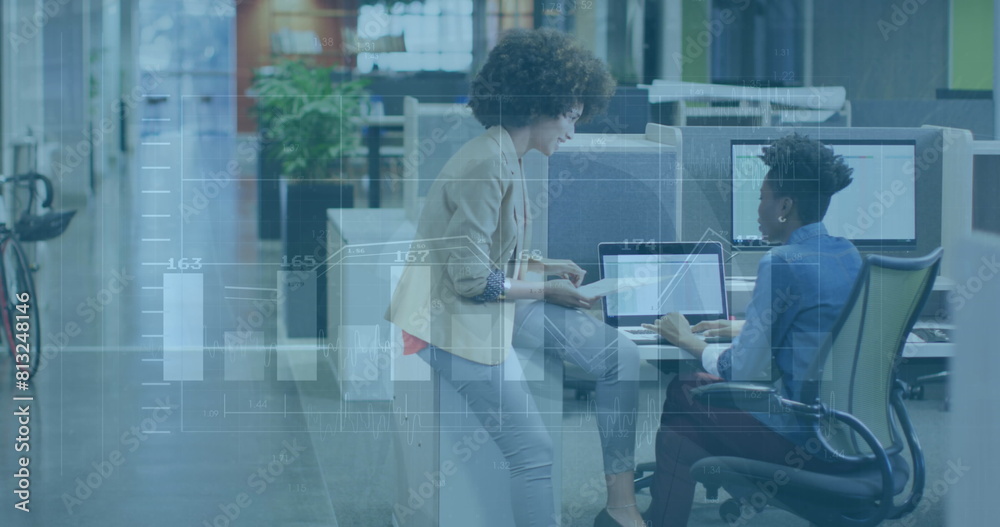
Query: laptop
point(659, 278)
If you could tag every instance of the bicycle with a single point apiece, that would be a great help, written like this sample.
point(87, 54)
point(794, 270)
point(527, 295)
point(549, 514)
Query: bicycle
point(20, 330)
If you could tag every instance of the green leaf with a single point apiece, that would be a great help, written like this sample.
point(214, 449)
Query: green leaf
point(300, 106)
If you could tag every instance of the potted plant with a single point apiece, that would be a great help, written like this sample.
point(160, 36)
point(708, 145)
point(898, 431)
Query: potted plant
point(307, 128)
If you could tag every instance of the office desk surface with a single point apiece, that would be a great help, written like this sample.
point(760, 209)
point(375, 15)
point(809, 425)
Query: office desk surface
point(663, 352)
point(912, 350)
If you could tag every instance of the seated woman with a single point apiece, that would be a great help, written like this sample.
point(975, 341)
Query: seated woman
point(456, 303)
point(802, 287)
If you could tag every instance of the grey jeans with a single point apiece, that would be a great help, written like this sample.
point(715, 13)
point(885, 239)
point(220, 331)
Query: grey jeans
point(507, 410)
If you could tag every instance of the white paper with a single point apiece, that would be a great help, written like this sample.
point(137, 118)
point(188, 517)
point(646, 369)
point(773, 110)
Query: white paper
point(611, 285)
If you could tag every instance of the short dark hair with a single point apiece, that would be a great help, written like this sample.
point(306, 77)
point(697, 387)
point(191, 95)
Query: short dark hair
point(535, 74)
point(806, 171)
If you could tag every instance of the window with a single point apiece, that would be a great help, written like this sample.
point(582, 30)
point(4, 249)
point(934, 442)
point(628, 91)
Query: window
point(436, 35)
point(502, 15)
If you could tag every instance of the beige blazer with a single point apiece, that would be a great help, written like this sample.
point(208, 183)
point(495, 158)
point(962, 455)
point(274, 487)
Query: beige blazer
point(473, 221)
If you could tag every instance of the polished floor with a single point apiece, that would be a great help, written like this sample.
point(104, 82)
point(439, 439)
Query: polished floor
point(117, 440)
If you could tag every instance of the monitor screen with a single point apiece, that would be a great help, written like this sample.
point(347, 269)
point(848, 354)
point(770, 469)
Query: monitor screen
point(878, 208)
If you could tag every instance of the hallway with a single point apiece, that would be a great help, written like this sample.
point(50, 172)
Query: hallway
point(116, 439)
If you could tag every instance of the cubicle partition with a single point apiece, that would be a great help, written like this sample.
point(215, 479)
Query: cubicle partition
point(708, 183)
point(432, 133)
point(603, 188)
point(974, 397)
point(986, 184)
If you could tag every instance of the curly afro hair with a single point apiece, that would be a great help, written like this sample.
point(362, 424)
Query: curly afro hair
point(806, 171)
point(537, 74)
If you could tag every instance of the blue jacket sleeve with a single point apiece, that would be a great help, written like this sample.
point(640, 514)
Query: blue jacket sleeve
point(749, 358)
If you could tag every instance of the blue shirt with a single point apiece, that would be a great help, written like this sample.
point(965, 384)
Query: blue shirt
point(801, 289)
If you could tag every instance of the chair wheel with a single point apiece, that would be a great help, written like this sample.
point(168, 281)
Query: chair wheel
point(730, 510)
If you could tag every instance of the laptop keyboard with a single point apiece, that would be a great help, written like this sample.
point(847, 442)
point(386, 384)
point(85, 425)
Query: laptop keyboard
point(707, 340)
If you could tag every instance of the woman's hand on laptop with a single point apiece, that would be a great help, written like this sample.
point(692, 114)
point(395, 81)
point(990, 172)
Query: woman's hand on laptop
point(564, 293)
point(565, 269)
point(719, 328)
point(675, 328)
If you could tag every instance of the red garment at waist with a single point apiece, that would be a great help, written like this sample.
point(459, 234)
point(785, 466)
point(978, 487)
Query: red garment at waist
point(412, 344)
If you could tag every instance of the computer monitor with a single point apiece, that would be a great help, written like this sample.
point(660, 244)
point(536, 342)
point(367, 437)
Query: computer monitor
point(878, 208)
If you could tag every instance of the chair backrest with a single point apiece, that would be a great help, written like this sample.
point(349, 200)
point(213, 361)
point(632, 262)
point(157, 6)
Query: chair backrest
point(856, 370)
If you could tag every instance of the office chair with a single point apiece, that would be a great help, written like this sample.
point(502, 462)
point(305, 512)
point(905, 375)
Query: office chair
point(856, 402)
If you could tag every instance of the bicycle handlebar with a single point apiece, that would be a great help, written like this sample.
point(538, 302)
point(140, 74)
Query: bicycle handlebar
point(31, 178)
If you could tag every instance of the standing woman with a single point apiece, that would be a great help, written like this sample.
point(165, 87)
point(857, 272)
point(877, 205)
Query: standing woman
point(456, 306)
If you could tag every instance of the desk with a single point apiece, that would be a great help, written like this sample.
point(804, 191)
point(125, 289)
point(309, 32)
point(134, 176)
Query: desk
point(741, 287)
point(663, 352)
point(375, 124)
point(363, 245)
point(914, 349)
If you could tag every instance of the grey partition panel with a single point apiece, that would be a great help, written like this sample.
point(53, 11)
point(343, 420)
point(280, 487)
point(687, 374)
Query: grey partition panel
point(440, 135)
point(986, 185)
point(707, 195)
point(607, 196)
point(968, 114)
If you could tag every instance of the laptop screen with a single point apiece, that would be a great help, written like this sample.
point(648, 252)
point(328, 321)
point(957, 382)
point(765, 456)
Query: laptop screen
point(684, 277)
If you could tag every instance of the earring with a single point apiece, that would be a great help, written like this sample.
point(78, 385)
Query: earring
point(782, 219)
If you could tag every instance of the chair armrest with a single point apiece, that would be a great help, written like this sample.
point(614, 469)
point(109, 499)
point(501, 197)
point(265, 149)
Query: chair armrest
point(745, 396)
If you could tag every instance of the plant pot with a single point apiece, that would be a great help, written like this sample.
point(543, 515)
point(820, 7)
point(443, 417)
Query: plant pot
point(303, 248)
point(268, 189)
